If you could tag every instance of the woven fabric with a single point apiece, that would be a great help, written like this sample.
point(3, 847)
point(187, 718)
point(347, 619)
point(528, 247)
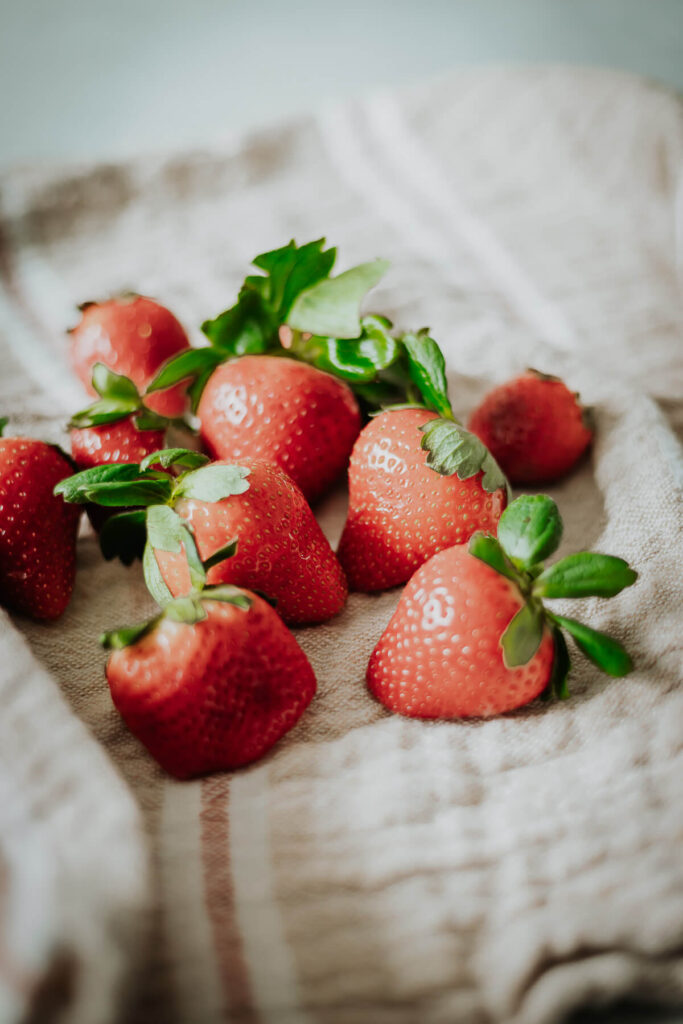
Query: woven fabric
point(370, 869)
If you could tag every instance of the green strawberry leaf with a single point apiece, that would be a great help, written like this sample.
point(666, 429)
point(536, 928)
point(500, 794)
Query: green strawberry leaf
point(530, 529)
point(227, 551)
point(123, 536)
point(116, 639)
point(557, 685)
point(74, 488)
point(188, 364)
point(487, 549)
point(523, 636)
point(229, 594)
point(293, 269)
point(453, 449)
point(603, 650)
point(122, 494)
point(146, 419)
point(357, 359)
point(332, 306)
point(585, 574)
point(165, 528)
point(427, 368)
point(114, 386)
point(167, 457)
point(106, 410)
point(213, 482)
point(167, 531)
point(153, 578)
point(249, 327)
point(4, 420)
point(187, 610)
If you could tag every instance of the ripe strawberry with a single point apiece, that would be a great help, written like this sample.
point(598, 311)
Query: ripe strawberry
point(212, 683)
point(534, 427)
point(121, 441)
point(133, 336)
point(284, 411)
point(37, 530)
point(401, 509)
point(282, 551)
point(471, 637)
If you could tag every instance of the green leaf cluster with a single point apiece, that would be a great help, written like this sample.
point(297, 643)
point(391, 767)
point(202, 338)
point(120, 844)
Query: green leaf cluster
point(128, 535)
point(529, 531)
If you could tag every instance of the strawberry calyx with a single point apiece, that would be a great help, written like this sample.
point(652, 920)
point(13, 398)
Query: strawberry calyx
point(4, 420)
point(154, 494)
point(188, 609)
point(529, 531)
point(120, 399)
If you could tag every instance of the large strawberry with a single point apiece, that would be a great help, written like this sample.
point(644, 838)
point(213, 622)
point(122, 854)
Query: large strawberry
point(282, 550)
point(534, 427)
point(265, 385)
point(37, 530)
point(408, 500)
point(471, 636)
point(211, 683)
point(134, 336)
point(278, 409)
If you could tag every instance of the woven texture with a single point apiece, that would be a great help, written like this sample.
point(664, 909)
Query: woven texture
point(371, 869)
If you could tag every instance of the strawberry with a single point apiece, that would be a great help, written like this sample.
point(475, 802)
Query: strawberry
point(407, 502)
point(471, 636)
point(534, 427)
point(284, 411)
point(282, 550)
point(212, 683)
point(133, 336)
point(37, 530)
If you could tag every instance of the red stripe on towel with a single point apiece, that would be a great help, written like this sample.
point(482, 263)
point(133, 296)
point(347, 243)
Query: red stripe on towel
point(219, 896)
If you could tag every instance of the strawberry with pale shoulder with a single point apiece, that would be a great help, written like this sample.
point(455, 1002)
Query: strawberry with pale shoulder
point(471, 635)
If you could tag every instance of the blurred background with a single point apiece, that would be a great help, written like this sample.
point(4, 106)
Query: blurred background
point(93, 79)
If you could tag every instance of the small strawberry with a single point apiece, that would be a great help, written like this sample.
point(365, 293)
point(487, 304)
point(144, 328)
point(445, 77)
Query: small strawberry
point(471, 636)
point(407, 500)
point(37, 530)
point(282, 550)
point(210, 684)
point(118, 427)
point(534, 427)
point(272, 408)
point(133, 336)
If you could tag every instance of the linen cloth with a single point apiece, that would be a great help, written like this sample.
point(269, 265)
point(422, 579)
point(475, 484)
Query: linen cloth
point(372, 868)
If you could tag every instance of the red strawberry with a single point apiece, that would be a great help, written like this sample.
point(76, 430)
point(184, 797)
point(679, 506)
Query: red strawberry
point(471, 636)
point(281, 549)
point(284, 411)
point(402, 511)
point(133, 336)
point(37, 529)
point(534, 427)
point(121, 441)
point(213, 694)
point(440, 656)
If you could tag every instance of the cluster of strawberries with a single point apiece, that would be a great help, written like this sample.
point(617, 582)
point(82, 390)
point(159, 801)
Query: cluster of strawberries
point(280, 393)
